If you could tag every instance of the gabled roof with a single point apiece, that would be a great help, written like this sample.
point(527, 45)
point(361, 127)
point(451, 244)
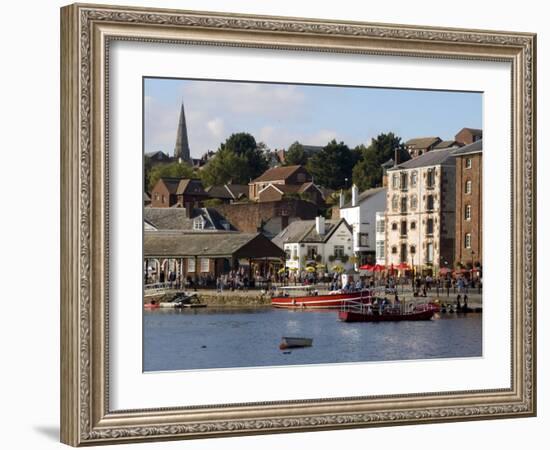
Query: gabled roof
point(177, 219)
point(422, 142)
point(305, 231)
point(365, 195)
point(277, 173)
point(473, 131)
point(475, 147)
point(190, 186)
point(448, 144)
point(431, 158)
point(228, 191)
point(171, 184)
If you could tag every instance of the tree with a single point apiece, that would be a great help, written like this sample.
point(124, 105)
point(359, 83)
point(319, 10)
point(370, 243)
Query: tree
point(296, 155)
point(225, 167)
point(368, 172)
point(238, 160)
point(169, 170)
point(332, 166)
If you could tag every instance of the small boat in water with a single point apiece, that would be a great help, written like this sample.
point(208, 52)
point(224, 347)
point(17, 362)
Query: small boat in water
point(302, 297)
point(183, 300)
point(379, 313)
point(295, 342)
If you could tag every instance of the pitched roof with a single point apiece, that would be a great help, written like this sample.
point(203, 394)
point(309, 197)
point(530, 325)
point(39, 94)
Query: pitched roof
point(277, 173)
point(474, 131)
point(364, 195)
point(171, 184)
point(177, 219)
point(423, 142)
point(447, 144)
point(305, 231)
point(190, 186)
point(218, 244)
point(431, 158)
point(475, 147)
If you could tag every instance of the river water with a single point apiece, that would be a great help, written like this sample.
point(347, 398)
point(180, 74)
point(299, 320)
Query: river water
point(210, 338)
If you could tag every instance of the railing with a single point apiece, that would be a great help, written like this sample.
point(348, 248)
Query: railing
point(157, 288)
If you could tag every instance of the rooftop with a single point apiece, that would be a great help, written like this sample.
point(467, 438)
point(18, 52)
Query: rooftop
point(277, 173)
point(422, 142)
point(431, 158)
point(177, 219)
point(365, 195)
point(305, 231)
point(475, 147)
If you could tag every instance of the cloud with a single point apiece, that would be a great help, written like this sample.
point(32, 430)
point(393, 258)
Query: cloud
point(216, 127)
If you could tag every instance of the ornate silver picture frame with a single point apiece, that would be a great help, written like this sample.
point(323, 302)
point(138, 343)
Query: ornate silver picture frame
point(87, 32)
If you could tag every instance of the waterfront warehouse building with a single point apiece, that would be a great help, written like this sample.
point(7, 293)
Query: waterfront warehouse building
point(420, 212)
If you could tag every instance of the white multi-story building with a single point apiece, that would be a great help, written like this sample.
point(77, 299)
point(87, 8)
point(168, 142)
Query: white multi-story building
point(420, 213)
point(360, 214)
point(319, 241)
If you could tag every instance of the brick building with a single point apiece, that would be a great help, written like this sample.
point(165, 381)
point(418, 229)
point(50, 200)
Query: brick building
point(418, 146)
point(270, 218)
point(468, 136)
point(179, 192)
point(282, 175)
point(469, 205)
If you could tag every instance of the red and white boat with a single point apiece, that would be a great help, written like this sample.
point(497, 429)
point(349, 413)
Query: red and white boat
point(304, 297)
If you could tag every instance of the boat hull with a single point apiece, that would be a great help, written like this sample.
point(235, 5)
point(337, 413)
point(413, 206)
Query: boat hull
point(321, 301)
point(352, 316)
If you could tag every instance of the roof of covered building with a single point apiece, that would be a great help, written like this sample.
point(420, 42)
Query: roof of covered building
point(221, 244)
point(423, 142)
point(475, 147)
point(277, 173)
point(431, 158)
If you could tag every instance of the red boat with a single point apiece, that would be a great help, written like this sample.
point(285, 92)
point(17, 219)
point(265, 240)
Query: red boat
point(368, 313)
point(303, 297)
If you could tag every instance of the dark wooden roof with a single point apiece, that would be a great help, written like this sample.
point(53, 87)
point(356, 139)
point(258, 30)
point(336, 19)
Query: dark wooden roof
point(277, 173)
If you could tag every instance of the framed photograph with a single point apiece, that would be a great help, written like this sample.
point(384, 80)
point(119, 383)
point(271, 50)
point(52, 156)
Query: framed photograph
point(276, 224)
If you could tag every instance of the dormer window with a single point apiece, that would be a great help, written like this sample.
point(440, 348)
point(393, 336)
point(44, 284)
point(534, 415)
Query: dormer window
point(198, 223)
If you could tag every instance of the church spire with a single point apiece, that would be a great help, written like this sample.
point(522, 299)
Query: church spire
point(181, 150)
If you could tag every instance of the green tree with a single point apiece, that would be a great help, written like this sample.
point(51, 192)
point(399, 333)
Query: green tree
point(225, 167)
point(368, 172)
point(169, 170)
point(332, 166)
point(244, 144)
point(296, 155)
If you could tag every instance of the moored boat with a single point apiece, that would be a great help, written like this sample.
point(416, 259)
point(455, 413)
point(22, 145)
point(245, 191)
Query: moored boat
point(295, 342)
point(302, 297)
point(357, 312)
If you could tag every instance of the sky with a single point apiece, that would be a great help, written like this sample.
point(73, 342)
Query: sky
point(280, 114)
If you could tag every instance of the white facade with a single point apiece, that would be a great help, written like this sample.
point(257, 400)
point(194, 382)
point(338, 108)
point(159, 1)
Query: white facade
point(381, 237)
point(361, 215)
point(420, 215)
point(332, 251)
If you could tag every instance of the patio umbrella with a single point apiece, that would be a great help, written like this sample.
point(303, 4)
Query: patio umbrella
point(444, 271)
point(310, 269)
point(368, 267)
point(337, 268)
point(403, 266)
point(378, 267)
point(282, 270)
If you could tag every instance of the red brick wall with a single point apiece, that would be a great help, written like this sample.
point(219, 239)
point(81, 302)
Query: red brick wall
point(474, 226)
point(161, 197)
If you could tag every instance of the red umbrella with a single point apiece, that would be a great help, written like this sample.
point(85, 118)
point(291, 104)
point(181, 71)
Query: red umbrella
point(444, 270)
point(378, 268)
point(403, 266)
point(368, 267)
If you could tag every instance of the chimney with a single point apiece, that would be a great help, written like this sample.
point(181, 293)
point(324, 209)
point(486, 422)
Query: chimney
point(354, 195)
point(320, 225)
point(395, 156)
point(342, 199)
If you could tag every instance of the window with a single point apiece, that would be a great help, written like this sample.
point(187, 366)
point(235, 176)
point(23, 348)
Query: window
point(380, 249)
point(363, 239)
point(403, 181)
point(468, 163)
point(403, 204)
point(412, 249)
point(198, 223)
point(394, 226)
point(311, 251)
point(467, 240)
point(430, 253)
point(394, 250)
point(413, 225)
point(414, 202)
point(380, 225)
point(190, 264)
point(163, 199)
point(468, 187)
point(403, 254)
point(430, 202)
point(414, 176)
point(395, 181)
point(157, 196)
point(403, 228)
point(395, 202)
point(430, 226)
point(338, 251)
point(294, 252)
point(205, 265)
point(468, 212)
point(430, 178)
point(287, 254)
